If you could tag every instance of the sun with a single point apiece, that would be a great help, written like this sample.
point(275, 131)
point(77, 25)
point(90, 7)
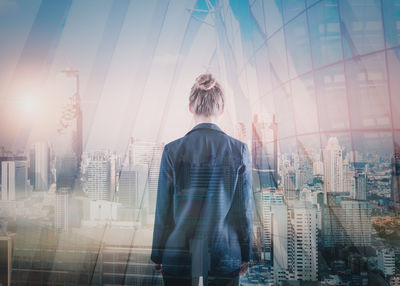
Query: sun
point(27, 103)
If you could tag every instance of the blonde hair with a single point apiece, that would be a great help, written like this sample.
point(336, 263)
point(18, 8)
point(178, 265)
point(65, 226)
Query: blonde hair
point(206, 96)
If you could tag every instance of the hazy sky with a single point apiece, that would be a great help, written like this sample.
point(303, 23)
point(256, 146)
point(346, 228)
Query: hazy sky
point(137, 61)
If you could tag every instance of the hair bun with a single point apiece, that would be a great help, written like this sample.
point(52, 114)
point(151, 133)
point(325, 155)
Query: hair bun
point(205, 82)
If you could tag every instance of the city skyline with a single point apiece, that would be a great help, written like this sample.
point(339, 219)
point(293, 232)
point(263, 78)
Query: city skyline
point(90, 94)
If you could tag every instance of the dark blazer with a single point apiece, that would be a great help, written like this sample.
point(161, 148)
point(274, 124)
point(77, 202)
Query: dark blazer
point(204, 194)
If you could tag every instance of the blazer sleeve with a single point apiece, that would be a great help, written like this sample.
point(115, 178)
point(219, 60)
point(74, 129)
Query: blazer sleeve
point(163, 222)
point(243, 202)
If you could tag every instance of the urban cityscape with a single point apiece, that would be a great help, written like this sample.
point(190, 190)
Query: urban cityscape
point(311, 87)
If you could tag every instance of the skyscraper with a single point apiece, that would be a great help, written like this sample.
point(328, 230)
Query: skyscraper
point(8, 180)
point(303, 253)
point(333, 166)
point(98, 176)
point(355, 219)
point(361, 187)
point(395, 190)
point(332, 231)
point(132, 186)
point(264, 152)
point(349, 180)
point(42, 166)
point(289, 183)
point(61, 213)
point(21, 179)
point(147, 153)
point(387, 261)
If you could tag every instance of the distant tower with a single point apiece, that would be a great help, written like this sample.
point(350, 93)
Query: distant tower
point(148, 153)
point(8, 181)
point(61, 216)
point(355, 219)
point(264, 152)
point(361, 187)
point(132, 186)
point(333, 167)
point(71, 121)
point(395, 190)
point(303, 252)
point(98, 176)
point(289, 184)
point(275, 233)
point(42, 166)
point(349, 179)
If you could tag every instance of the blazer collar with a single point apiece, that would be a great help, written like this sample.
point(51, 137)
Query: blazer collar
point(203, 126)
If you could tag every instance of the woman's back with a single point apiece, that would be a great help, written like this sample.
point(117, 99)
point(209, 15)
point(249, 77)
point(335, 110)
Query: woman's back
point(209, 171)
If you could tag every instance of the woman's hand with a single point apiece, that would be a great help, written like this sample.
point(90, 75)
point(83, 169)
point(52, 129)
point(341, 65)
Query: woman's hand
point(244, 267)
point(157, 268)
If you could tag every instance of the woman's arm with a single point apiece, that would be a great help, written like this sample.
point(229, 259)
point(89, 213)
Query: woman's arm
point(164, 222)
point(243, 204)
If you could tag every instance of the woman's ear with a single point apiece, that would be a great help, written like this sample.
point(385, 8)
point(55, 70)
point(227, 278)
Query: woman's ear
point(190, 108)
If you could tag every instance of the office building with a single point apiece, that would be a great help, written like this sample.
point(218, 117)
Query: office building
point(361, 187)
point(303, 248)
point(387, 261)
point(98, 176)
point(355, 219)
point(61, 210)
point(349, 179)
point(132, 187)
point(290, 189)
point(8, 181)
point(333, 166)
point(264, 152)
point(148, 153)
point(42, 166)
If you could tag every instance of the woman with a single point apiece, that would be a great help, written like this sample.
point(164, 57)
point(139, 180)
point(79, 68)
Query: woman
point(203, 223)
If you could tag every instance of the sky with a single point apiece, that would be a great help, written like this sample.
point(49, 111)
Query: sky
point(137, 61)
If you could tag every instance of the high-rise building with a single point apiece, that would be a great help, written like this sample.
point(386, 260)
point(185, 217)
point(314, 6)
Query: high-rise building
point(147, 153)
point(264, 152)
point(361, 187)
point(132, 186)
point(289, 184)
point(386, 261)
point(15, 178)
point(355, 220)
point(21, 179)
point(61, 212)
point(349, 180)
point(8, 180)
point(333, 167)
point(42, 166)
point(98, 176)
point(395, 188)
point(5, 260)
point(270, 198)
point(302, 249)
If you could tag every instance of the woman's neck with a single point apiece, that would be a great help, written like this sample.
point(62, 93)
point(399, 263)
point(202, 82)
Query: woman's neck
point(203, 119)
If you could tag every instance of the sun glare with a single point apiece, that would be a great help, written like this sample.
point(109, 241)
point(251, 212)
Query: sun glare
point(27, 103)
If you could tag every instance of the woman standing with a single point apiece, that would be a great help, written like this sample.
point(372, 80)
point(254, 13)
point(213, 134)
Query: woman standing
point(203, 222)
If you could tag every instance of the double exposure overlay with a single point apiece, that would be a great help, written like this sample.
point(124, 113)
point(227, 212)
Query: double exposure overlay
point(91, 91)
